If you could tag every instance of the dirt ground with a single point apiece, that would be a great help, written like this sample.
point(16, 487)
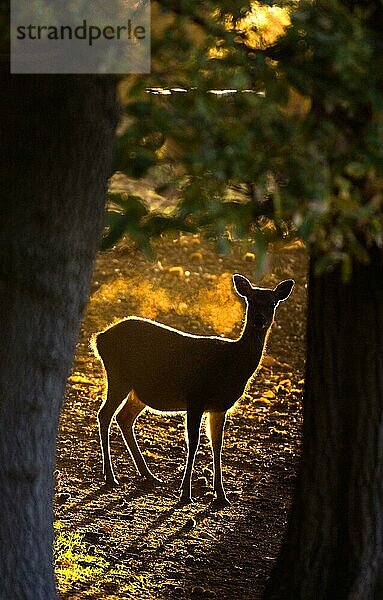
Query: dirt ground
point(139, 542)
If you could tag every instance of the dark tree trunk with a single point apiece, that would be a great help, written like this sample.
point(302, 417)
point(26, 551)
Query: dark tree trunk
point(334, 543)
point(56, 138)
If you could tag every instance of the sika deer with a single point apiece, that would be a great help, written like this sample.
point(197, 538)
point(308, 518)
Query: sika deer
point(150, 364)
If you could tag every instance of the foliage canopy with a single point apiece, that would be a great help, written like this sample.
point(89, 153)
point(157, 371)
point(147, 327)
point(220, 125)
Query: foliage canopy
point(294, 143)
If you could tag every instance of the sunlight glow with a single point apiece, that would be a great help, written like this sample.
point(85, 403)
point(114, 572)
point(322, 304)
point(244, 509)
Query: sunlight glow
point(218, 306)
point(263, 24)
point(146, 299)
point(215, 305)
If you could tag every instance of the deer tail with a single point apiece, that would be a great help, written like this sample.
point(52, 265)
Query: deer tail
point(96, 343)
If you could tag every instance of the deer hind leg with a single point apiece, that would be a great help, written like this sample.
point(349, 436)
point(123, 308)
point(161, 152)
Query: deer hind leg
point(105, 415)
point(126, 418)
point(193, 424)
point(215, 429)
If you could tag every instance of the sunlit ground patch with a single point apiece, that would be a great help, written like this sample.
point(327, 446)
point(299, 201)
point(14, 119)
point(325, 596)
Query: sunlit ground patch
point(215, 304)
point(144, 298)
point(218, 305)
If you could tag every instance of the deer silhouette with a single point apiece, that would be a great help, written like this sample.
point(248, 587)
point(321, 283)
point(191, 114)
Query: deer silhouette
point(149, 364)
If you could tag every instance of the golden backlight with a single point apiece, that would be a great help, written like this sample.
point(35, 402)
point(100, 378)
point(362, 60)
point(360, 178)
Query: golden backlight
point(215, 305)
point(263, 24)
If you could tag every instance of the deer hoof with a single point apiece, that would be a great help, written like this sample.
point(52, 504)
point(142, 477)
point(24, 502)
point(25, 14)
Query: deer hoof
point(111, 483)
point(185, 499)
point(152, 480)
point(222, 501)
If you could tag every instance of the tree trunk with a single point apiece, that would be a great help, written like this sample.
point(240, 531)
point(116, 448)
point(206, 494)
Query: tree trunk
point(56, 138)
point(333, 547)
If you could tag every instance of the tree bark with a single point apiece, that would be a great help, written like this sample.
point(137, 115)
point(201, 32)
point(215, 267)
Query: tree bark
point(333, 546)
point(56, 139)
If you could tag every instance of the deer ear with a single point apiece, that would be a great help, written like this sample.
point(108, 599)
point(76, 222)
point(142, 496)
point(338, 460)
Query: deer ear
point(242, 285)
point(283, 290)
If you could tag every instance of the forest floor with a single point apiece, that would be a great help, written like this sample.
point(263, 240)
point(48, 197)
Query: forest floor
point(138, 542)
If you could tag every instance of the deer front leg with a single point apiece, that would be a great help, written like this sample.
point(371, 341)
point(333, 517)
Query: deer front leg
point(215, 429)
point(126, 418)
point(193, 424)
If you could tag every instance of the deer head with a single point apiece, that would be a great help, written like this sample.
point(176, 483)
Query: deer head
point(261, 302)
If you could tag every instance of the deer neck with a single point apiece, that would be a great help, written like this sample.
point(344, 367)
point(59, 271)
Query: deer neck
point(252, 342)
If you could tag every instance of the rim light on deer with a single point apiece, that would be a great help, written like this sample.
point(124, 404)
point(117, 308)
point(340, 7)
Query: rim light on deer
point(149, 364)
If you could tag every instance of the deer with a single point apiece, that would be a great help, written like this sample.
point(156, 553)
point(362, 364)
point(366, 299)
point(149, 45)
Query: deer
point(149, 364)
